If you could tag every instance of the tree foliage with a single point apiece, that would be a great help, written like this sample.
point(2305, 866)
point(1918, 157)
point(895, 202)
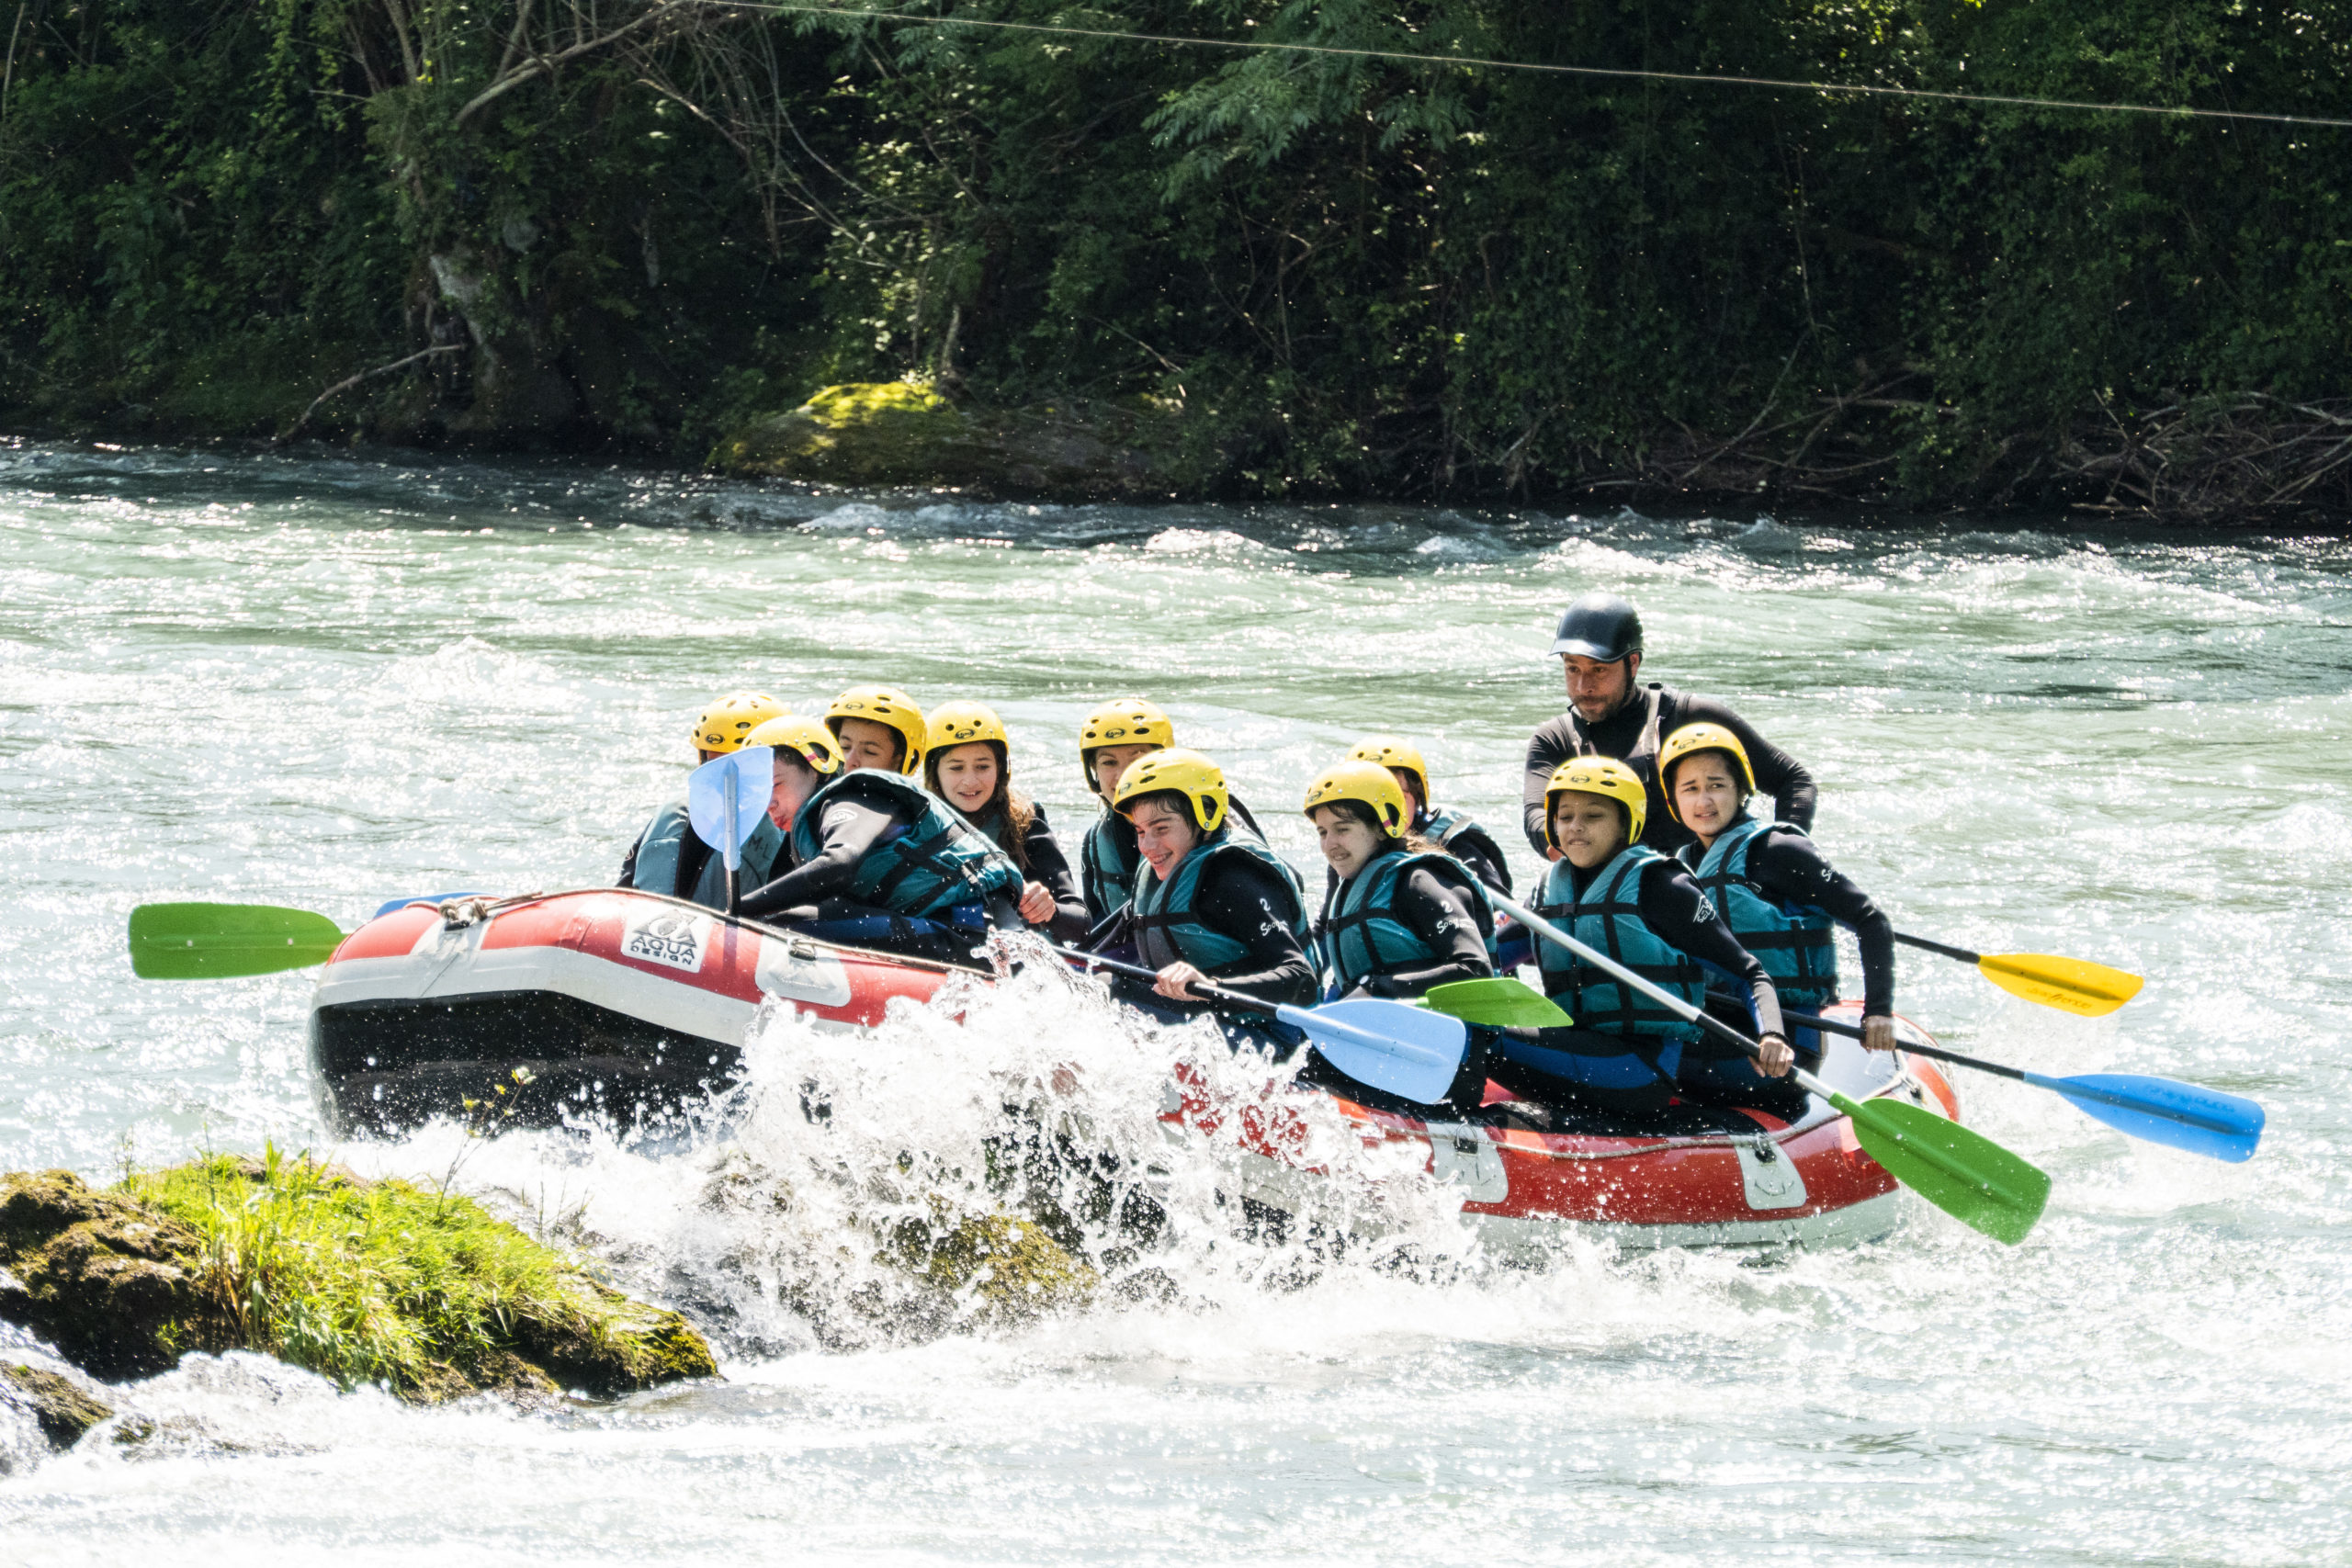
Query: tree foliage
point(635, 219)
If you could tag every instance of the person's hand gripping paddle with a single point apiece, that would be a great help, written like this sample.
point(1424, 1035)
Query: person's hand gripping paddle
point(726, 797)
point(1961, 1172)
point(1397, 1048)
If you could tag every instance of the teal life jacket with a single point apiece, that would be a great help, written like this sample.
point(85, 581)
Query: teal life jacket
point(929, 864)
point(1360, 934)
point(660, 849)
point(1609, 918)
point(1166, 928)
point(1439, 826)
point(1107, 862)
point(1796, 943)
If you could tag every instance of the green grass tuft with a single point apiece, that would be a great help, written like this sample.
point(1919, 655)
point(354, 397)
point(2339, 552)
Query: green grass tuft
point(366, 1282)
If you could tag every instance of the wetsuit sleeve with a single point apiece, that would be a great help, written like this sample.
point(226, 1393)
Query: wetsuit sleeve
point(1250, 902)
point(1474, 849)
point(1778, 774)
point(628, 862)
point(1790, 866)
point(1551, 745)
point(1440, 915)
point(1676, 910)
point(847, 830)
point(1049, 865)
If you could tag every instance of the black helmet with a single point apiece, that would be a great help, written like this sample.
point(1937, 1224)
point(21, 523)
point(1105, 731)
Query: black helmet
point(1599, 625)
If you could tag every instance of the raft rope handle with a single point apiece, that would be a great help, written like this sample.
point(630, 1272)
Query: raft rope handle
point(1772, 84)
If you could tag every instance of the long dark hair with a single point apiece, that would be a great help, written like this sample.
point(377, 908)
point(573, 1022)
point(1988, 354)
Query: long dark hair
point(1020, 813)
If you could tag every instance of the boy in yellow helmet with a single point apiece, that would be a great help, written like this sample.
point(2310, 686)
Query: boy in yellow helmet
point(669, 857)
point(1113, 738)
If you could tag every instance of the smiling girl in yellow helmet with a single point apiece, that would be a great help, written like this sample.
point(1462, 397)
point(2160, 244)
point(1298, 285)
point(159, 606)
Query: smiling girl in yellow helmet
point(1782, 899)
point(1111, 740)
point(1623, 1050)
point(1211, 902)
point(967, 762)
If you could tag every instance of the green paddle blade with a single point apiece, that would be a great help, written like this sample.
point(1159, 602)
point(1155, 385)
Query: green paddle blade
point(211, 942)
point(1499, 1003)
point(1965, 1174)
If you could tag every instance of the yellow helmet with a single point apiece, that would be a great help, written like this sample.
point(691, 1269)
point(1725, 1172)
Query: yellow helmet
point(882, 705)
point(1368, 783)
point(724, 723)
point(1603, 776)
point(1121, 721)
point(960, 724)
point(1392, 752)
point(1189, 773)
point(813, 742)
point(1699, 737)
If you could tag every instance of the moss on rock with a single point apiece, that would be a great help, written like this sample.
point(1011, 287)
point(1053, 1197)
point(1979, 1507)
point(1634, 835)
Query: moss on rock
point(359, 1280)
point(1006, 1268)
point(904, 433)
point(60, 1407)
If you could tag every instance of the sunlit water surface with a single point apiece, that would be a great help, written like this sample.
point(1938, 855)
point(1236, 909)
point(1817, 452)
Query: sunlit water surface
point(325, 682)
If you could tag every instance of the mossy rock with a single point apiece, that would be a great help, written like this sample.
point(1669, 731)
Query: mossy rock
point(905, 433)
point(60, 1407)
point(361, 1281)
point(1007, 1267)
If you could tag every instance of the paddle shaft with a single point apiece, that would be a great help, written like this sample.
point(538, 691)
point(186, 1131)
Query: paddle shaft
point(1854, 1031)
point(2067, 1086)
point(1198, 987)
point(1922, 942)
point(1667, 1000)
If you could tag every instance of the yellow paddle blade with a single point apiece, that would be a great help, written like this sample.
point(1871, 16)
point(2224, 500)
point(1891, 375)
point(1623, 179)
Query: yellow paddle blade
point(2070, 985)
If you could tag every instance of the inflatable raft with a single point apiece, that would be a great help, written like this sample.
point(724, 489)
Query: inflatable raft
point(617, 1002)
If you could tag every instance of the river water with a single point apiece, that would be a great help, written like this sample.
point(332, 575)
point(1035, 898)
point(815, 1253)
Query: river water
point(324, 682)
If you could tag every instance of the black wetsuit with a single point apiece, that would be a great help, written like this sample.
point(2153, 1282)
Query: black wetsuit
point(849, 829)
point(1789, 867)
point(1439, 914)
point(1045, 863)
point(1629, 735)
point(1554, 1065)
point(1249, 901)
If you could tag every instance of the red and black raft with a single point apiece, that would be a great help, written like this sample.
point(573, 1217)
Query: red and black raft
point(617, 1003)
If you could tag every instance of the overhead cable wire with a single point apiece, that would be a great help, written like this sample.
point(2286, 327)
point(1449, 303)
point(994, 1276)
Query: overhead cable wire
point(1622, 73)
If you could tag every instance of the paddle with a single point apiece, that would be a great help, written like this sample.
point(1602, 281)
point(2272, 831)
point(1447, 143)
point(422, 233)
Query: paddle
point(1961, 1172)
point(1400, 1049)
point(725, 799)
point(2070, 985)
point(1500, 1003)
point(2160, 1110)
point(213, 941)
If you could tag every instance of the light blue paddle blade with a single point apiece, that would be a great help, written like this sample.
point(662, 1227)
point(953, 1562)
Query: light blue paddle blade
point(1406, 1051)
point(748, 776)
point(2165, 1110)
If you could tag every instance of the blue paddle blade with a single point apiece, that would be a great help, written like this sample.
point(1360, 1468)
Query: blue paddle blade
point(1406, 1051)
point(748, 776)
point(2165, 1110)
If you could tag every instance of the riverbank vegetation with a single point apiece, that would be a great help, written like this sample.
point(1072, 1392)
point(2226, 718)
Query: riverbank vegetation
point(659, 224)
